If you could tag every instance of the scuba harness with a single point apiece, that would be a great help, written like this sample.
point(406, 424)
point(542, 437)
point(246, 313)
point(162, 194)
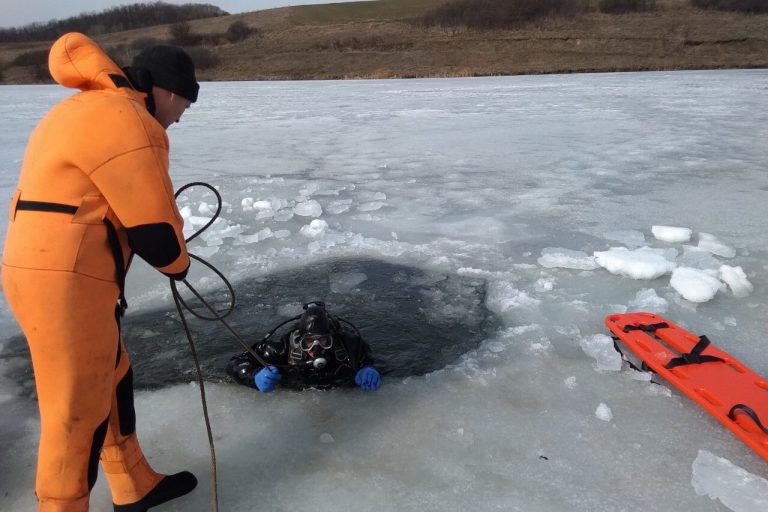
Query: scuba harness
point(296, 359)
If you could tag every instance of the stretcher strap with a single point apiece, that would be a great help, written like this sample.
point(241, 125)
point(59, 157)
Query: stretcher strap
point(694, 356)
point(749, 412)
point(646, 327)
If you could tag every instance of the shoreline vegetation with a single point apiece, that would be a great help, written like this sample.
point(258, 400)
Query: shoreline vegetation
point(418, 38)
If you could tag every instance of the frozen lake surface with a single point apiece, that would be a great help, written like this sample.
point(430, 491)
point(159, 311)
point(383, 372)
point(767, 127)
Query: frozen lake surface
point(477, 231)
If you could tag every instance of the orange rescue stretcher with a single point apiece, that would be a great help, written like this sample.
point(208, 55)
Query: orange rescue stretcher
point(726, 388)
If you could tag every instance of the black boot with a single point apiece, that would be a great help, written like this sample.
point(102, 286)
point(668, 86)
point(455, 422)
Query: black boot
point(170, 487)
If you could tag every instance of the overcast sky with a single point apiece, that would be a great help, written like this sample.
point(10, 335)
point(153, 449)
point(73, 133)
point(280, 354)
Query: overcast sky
point(22, 12)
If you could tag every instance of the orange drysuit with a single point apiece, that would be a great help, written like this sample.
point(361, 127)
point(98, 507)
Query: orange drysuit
point(94, 188)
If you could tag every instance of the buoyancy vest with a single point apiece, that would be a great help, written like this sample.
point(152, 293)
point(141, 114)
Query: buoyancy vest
point(102, 158)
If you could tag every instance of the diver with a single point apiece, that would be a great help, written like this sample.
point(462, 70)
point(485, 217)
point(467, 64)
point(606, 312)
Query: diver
point(318, 352)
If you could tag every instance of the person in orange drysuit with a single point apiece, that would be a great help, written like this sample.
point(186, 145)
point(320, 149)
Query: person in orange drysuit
point(94, 189)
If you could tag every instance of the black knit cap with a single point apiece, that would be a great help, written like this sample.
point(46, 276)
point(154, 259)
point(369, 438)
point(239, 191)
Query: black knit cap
point(171, 69)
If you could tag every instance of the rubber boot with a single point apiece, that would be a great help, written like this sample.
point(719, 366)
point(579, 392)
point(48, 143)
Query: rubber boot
point(170, 487)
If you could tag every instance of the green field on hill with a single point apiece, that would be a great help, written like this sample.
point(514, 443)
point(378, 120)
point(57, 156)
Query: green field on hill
point(361, 11)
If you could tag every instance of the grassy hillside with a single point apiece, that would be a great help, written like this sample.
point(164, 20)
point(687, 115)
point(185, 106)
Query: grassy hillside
point(379, 40)
point(113, 19)
point(324, 14)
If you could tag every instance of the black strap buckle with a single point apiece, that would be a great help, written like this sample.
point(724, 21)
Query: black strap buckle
point(694, 356)
point(122, 305)
point(646, 327)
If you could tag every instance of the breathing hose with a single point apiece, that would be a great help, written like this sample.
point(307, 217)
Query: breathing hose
point(216, 316)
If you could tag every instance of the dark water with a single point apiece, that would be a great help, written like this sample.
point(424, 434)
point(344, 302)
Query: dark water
point(415, 321)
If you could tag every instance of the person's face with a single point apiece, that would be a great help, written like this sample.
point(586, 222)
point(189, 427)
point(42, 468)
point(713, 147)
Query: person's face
point(169, 106)
point(315, 345)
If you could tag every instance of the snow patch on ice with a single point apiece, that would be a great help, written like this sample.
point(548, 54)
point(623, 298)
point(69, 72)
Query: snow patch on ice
point(647, 300)
point(695, 285)
point(643, 263)
point(503, 297)
point(737, 280)
point(630, 238)
point(205, 209)
point(555, 257)
point(710, 243)
point(603, 412)
point(370, 206)
point(255, 237)
point(205, 252)
point(314, 229)
point(600, 348)
point(671, 234)
point(544, 285)
point(339, 206)
point(697, 258)
point(309, 208)
point(282, 233)
point(722, 480)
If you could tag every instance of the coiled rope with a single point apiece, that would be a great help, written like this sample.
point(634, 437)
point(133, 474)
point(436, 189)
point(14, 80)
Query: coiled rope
point(219, 316)
point(215, 316)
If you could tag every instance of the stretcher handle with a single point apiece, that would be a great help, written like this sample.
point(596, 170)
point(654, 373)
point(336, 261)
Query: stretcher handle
point(749, 412)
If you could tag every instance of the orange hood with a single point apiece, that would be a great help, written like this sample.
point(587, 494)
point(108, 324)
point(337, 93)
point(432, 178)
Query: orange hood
point(76, 61)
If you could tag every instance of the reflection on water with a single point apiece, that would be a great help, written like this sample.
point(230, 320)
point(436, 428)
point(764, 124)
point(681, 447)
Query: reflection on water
point(415, 321)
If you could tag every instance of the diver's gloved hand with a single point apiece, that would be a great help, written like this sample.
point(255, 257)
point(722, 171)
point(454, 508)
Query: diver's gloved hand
point(368, 378)
point(267, 378)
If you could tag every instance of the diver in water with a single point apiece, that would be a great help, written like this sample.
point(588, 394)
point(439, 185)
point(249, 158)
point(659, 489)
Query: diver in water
point(318, 352)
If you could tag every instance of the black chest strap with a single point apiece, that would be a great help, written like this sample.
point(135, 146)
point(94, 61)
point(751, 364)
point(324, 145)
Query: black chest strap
point(43, 206)
point(694, 356)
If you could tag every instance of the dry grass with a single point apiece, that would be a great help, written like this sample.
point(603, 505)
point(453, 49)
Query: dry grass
point(371, 40)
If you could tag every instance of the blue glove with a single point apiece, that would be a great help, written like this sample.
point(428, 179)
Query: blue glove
point(368, 378)
point(267, 378)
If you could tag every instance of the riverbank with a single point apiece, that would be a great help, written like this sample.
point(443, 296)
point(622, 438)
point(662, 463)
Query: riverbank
point(341, 41)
